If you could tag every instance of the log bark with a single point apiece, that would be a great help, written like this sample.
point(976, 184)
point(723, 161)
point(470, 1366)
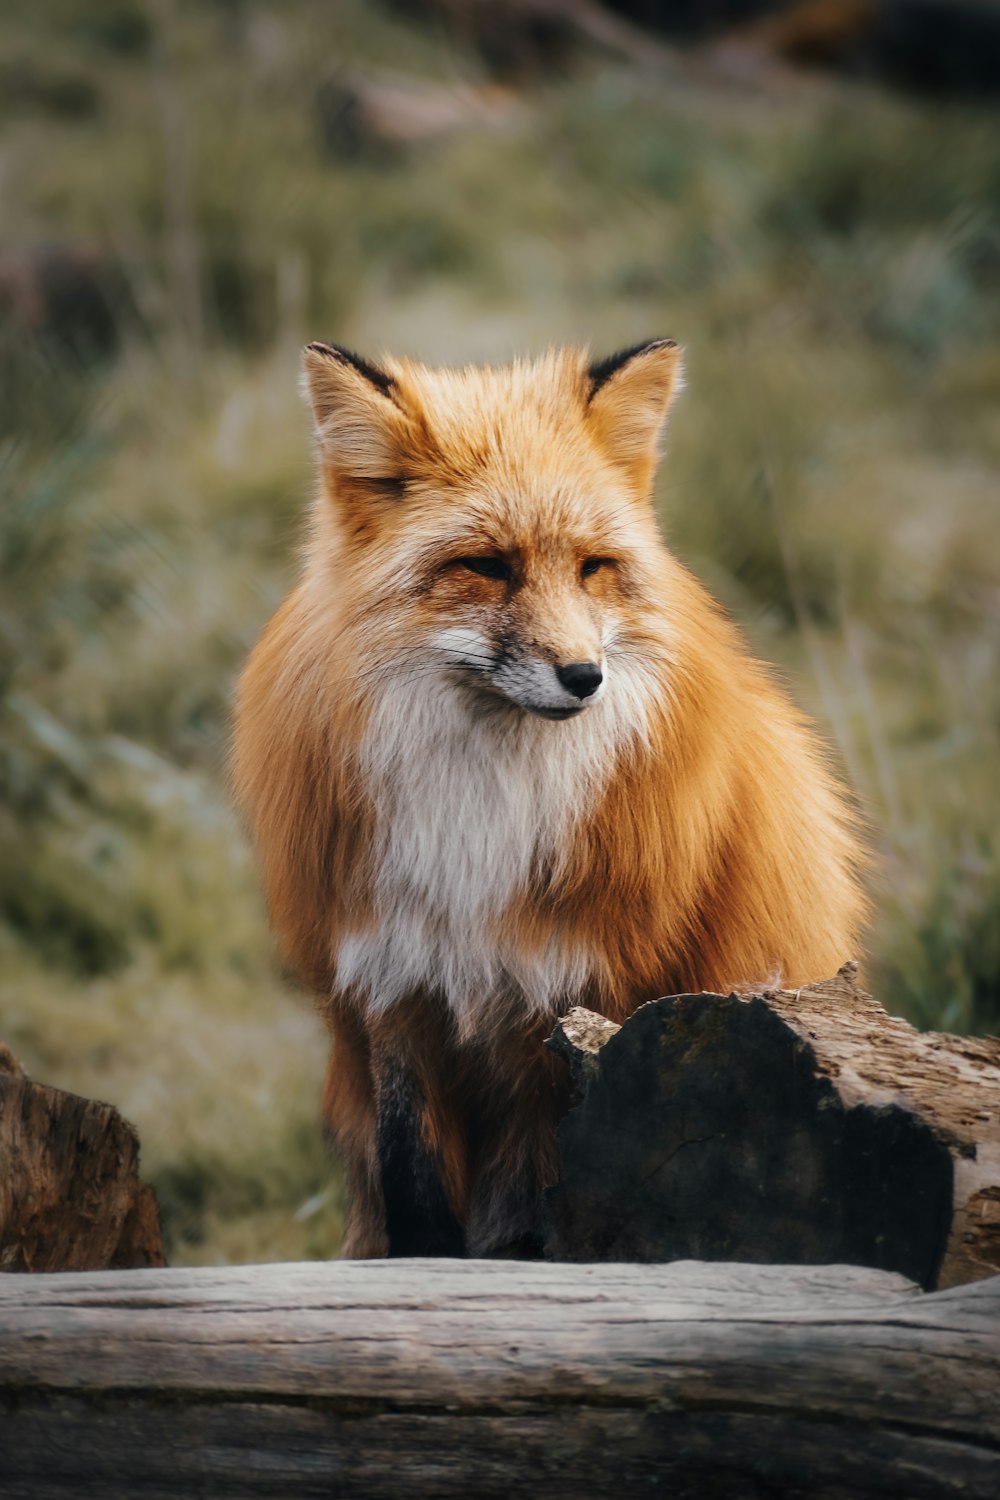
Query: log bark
point(463, 1378)
point(803, 1126)
point(70, 1194)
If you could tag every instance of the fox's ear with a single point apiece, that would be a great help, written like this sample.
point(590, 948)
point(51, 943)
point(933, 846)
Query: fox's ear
point(629, 395)
point(360, 428)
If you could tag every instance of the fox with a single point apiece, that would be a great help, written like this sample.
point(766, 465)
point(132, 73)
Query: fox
point(500, 754)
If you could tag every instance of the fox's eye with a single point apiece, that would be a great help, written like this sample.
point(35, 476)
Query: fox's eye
point(486, 567)
point(593, 564)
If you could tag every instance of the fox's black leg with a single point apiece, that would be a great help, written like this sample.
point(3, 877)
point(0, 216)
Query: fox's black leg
point(419, 1219)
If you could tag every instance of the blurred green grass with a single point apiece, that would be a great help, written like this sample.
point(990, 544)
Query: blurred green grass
point(830, 258)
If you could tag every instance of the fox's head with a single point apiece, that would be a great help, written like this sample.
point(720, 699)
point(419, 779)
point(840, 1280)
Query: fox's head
point(492, 527)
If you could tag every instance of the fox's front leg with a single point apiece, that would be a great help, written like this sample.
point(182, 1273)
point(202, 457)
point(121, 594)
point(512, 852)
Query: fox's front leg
point(419, 1153)
point(516, 1157)
point(389, 1108)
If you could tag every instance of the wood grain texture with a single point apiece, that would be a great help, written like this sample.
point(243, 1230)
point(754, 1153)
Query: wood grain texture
point(465, 1378)
point(70, 1194)
point(800, 1126)
point(952, 1082)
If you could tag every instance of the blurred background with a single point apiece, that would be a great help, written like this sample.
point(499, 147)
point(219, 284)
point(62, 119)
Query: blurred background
point(806, 195)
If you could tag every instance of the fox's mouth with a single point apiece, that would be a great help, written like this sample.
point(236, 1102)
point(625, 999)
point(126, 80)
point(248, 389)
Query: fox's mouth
point(499, 695)
point(487, 690)
point(490, 691)
point(571, 712)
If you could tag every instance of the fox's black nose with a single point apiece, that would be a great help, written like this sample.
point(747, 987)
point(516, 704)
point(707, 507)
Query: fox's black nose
point(581, 678)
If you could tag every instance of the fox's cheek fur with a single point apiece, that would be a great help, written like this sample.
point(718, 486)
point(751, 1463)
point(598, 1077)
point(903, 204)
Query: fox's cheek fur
point(531, 679)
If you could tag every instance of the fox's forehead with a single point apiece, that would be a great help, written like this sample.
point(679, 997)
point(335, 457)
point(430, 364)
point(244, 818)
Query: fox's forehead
point(547, 383)
point(527, 417)
point(508, 508)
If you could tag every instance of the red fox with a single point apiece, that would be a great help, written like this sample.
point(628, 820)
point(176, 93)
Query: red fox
point(501, 754)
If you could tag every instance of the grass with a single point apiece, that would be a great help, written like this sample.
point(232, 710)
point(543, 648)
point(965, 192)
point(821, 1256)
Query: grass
point(830, 258)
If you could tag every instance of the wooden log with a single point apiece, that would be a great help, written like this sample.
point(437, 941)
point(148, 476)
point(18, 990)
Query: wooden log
point(70, 1194)
point(463, 1378)
point(803, 1126)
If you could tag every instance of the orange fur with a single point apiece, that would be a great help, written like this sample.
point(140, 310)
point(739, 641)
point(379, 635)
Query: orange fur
point(688, 836)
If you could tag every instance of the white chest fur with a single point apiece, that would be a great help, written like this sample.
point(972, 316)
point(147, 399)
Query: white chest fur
point(470, 804)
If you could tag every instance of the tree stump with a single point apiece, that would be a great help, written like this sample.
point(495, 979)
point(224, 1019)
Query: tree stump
point(799, 1126)
point(70, 1194)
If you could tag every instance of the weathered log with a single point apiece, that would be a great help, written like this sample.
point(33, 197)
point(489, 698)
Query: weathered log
point(463, 1378)
point(804, 1126)
point(70, 1194)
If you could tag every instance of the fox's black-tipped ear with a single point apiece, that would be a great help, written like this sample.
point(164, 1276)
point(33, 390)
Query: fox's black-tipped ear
point(358, 423)
point(380, 379)
point(628, 397)
point(601, 371)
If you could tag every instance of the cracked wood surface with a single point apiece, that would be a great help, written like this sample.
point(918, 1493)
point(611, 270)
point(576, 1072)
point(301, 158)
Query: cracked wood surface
point(471, 1378)
point(796, 1125)
point(952, 1082)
